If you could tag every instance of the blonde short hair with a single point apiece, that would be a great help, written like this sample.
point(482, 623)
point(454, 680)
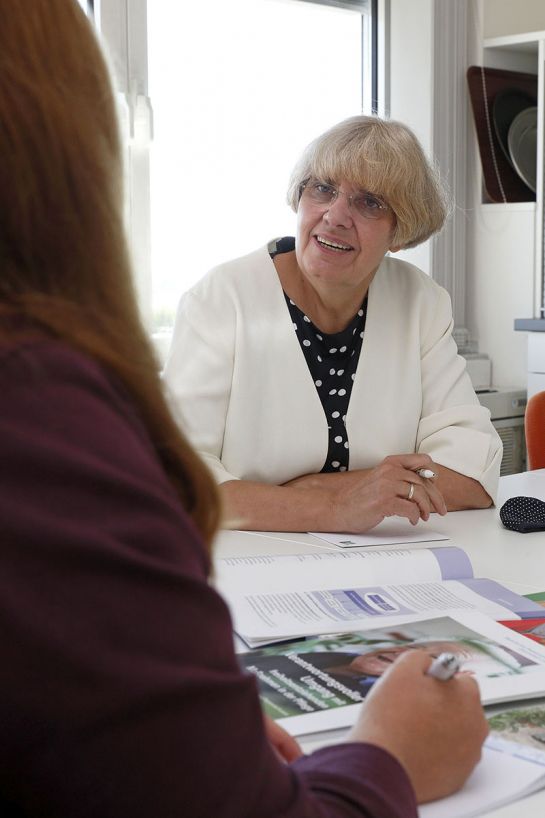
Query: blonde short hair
point(383, 157)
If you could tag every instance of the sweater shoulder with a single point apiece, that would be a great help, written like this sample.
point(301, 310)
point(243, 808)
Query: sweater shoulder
point(245, 273)
point(409, 285)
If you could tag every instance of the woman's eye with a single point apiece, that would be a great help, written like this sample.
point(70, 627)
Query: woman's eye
point(323, 189)
point(370, 203)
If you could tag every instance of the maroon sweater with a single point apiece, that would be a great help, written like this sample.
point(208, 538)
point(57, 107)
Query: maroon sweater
point(121, 696)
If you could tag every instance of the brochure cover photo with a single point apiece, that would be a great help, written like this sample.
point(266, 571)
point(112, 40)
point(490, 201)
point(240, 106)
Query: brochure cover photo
point(317, 683)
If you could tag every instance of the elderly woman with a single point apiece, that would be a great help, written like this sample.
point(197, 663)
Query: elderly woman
point(317, 376)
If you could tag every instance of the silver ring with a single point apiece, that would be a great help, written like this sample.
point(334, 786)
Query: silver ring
point(411, 491)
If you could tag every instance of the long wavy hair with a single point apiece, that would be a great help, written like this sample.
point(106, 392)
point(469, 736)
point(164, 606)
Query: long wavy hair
point(64, 261)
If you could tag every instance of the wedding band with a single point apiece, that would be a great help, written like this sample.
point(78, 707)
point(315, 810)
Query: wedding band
point(411, 491)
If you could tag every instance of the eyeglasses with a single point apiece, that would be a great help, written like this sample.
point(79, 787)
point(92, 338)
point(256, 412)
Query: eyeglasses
point(324, 195)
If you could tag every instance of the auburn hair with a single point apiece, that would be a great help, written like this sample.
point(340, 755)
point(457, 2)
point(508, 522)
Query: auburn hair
point(64, 260)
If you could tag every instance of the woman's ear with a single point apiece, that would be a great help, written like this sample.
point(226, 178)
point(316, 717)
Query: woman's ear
point(394, 247)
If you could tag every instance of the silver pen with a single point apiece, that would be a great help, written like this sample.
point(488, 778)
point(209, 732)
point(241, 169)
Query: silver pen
point(427, 473)
point(444, 667)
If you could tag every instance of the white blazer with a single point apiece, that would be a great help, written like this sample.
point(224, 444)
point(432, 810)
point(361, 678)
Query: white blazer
point(239, 384)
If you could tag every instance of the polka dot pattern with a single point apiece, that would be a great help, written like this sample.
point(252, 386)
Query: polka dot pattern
point(524, 514)
point(332, 360)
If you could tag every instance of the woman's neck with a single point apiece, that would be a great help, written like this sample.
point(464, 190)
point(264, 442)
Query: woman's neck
point(329, 308)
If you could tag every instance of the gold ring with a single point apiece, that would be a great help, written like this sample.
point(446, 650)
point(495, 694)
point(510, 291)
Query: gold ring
point(411, 491)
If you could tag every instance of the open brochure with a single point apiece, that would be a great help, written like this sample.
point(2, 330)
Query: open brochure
point(317, 684)
point(512, 766)
point(279, 597)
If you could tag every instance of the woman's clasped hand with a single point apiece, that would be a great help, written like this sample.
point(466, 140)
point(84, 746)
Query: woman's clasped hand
point(393, 488)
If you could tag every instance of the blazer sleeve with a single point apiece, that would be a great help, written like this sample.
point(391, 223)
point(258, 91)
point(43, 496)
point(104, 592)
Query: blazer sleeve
point(454, 429)
point(199, 371)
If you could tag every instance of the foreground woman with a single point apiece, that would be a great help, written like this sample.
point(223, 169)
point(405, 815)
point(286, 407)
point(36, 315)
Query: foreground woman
point(121, 694)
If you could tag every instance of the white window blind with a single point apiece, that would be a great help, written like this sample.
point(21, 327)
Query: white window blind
point(361, 6)
point(235, 91)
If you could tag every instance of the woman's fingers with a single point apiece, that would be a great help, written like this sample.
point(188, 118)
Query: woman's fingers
point(427, 497)
point(284, 745)
point(393, 488)
point(420, 490)
point(418, 495)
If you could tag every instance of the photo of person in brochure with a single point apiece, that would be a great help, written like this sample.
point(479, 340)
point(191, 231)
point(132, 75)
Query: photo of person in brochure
point(336, 670)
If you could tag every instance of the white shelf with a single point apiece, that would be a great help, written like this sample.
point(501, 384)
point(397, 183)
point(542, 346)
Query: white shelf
point(509, 207)
point(524, 52)
point(527, 42)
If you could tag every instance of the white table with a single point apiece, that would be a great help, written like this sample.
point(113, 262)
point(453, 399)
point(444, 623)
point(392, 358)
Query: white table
point(515, 560)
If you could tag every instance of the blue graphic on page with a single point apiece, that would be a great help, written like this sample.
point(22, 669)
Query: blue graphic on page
point(353, 603)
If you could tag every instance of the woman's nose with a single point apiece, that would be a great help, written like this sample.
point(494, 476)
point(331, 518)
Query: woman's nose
point(339, 211)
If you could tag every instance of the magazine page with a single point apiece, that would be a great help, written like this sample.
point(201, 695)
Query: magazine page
point(519, 731)
point(295, 572)
point(498, 779)
point(532, 628)
point(264, 618)
point(512, 766)
point(317, 684)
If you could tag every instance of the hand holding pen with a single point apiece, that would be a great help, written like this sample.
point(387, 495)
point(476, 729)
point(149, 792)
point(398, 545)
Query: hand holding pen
point(444, 667)
point(434, 729)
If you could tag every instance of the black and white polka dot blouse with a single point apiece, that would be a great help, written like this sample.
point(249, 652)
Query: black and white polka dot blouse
point(332, 359)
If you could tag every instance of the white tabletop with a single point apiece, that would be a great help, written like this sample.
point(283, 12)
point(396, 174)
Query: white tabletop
point(516, 560)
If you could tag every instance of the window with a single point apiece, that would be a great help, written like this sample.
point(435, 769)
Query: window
point(87, 6)
point(237, 90)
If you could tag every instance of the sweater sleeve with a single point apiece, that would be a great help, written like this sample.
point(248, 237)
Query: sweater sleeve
point(199, 370)
point(454, 429)
point(121, 692)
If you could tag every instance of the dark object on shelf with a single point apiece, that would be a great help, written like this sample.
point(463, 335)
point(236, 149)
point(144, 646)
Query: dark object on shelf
point(507, 104)
point(522, 141)
point(523, 514)
point(501, 181)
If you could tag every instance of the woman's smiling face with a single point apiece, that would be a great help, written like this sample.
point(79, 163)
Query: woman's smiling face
point(338, 247)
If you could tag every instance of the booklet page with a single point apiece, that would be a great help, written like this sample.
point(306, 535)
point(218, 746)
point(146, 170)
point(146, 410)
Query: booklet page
point(260, 618)
point(320, 570)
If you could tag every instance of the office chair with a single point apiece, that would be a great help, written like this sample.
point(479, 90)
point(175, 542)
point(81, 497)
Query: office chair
point(534, 428)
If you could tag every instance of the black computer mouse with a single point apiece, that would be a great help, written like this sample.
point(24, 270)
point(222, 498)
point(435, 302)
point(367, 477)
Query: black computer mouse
point(523, 514)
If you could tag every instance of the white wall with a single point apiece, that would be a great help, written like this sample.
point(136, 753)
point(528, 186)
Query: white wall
point(499, 277)
point(500, 287)
point(411, 85)
point(500, 240)
point(410, 65)
point(502, 17)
